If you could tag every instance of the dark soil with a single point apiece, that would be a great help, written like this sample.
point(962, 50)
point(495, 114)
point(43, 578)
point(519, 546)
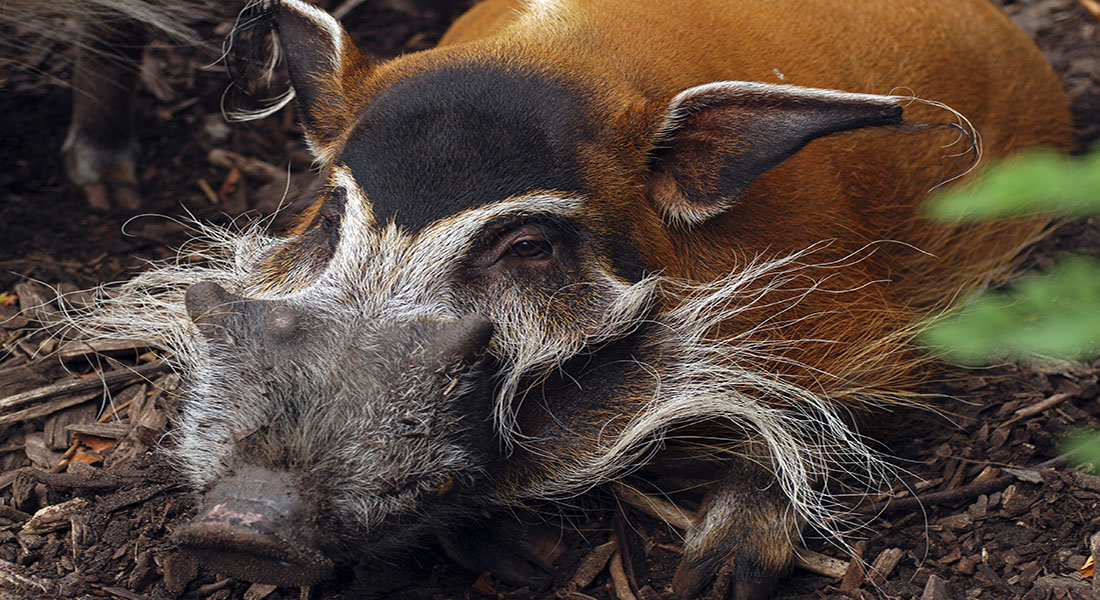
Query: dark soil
point(1024, 534)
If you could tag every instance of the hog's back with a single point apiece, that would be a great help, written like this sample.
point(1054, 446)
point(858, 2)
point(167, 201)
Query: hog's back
point(965, 54)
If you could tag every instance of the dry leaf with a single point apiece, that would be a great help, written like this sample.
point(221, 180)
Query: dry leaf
point(1087, 569)
point(88, 457)
point(96, 443)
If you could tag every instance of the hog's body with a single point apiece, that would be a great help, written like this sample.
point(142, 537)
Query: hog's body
point(686, 279)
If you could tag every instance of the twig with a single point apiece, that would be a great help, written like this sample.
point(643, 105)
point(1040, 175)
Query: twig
point(657, 508)
point(618, 578)
point(1038, 407)
point(253, 167)
point(80, 385)
point(348, 5)
point(1092, 6)
point(211, 195)
point(961, 493)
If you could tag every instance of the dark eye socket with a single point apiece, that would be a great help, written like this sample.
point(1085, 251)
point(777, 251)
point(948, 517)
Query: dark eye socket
point(529, 243)
point(531, 247)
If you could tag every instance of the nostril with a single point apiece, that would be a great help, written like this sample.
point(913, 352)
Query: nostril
point(253, 528)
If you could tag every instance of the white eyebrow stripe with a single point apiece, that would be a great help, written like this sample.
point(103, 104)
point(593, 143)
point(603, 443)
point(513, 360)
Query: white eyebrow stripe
point(452, 236)
point(389, 270)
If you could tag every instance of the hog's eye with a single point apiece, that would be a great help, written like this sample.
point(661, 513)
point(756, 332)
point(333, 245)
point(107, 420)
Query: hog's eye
point(528, 245)
point(531, 247)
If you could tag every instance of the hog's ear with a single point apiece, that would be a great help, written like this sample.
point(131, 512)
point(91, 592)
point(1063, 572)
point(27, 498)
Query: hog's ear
point(325, 68)
point(717, 138)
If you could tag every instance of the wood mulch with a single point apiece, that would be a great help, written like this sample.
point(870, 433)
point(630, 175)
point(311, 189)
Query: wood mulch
point(87, 504)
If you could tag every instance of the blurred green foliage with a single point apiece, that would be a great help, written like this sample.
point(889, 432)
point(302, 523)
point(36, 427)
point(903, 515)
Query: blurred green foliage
point(1085, 448)
point(1045, 315)
point(1054, 315)
point(1038, 182)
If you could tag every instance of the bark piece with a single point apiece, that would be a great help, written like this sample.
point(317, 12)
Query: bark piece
point(111, 379)
point(73, 350)
point(591, 566)
point(23, 496)
point(110, 431)
point(56, 429)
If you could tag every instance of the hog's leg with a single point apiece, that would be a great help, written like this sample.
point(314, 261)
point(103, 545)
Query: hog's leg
point(743, 538)
point(101, 148)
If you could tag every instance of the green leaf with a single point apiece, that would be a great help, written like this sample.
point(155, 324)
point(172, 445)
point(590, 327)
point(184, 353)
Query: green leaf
point(1027, 184)
point(1084, 448)
point(1053, 316)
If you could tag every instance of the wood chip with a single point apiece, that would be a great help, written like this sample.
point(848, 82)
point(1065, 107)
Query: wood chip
point(34, 445)
point(884, 565)
point(35, 300)
point(259, 591)
point(58, 424)
point(73, 350)
point(109, 431)
point(23, 495)
point(1028, 475)
point(853, 575)
point(55, 517)
point(815, 562)
point(988, 474)
point(935, 589)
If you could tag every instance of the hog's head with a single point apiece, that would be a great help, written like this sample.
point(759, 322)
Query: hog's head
point(313, 432)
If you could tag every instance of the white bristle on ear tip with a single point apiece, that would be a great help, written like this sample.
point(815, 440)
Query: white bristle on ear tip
point(324, 21)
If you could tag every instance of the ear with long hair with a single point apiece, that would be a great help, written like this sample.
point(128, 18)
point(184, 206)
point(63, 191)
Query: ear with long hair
point(717, 138)
point(325, 67)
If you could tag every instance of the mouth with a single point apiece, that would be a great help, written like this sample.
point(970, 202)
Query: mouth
point(240, 543)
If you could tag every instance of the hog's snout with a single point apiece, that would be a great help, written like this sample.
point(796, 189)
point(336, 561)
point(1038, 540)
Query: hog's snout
point(256, 527)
